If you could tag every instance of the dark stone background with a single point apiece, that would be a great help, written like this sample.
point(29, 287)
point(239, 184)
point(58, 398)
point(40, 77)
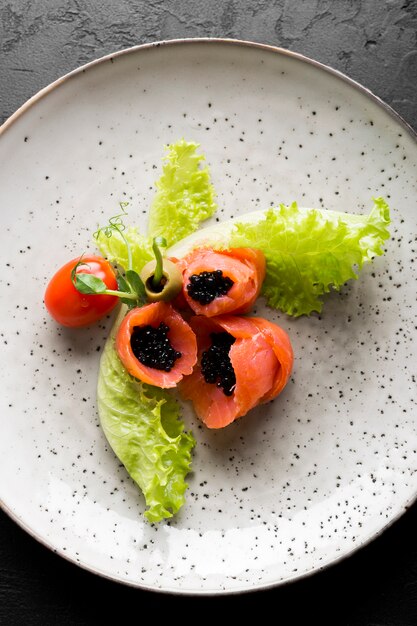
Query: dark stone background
point(375, 43)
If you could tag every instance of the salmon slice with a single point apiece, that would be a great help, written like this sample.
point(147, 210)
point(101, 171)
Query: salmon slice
point(281, 345)
point(253, 356)
point(244, 266)
point(180, 335)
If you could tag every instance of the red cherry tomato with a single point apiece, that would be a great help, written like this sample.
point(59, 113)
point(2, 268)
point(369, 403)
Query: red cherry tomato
point(71, 308)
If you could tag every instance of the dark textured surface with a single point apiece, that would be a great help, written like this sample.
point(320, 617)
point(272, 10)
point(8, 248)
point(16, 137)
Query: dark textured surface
point(372, 41)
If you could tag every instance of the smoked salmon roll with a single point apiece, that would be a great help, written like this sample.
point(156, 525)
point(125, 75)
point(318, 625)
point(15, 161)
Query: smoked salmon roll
point(280, 344)
point(156, 345)
point(242, 362)
point(216, 282)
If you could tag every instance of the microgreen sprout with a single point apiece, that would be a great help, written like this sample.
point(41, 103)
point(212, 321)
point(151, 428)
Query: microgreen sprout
point(131, 288)
point(164, 280)
point(116, 224)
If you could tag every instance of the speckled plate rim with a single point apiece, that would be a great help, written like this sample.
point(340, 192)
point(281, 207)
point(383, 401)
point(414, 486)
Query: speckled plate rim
point(274, 50)
point(208, 40)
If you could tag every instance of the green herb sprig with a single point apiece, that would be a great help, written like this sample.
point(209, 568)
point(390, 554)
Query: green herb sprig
point(131, 288)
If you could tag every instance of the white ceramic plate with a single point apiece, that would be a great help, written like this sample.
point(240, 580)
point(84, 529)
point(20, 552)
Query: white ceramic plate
point(297, 484)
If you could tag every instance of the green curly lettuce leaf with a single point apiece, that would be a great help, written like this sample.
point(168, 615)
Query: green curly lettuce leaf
point(142, 424)
point(184, 196)
point(308, 251)
point(311, 251)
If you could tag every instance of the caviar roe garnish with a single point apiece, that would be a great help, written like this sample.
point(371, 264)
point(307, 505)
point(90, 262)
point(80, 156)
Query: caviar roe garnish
point(216, 366)
point(207, 286)
point(260, 357)
point(152, 347)
point(156, 345)
point(216, 282)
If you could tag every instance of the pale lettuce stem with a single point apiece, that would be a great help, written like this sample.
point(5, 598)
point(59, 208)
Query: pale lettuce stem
point(129, 251)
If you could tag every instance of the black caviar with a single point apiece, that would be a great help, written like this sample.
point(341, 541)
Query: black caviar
point(206, 286)
point(216, 366)
point(152, 347)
